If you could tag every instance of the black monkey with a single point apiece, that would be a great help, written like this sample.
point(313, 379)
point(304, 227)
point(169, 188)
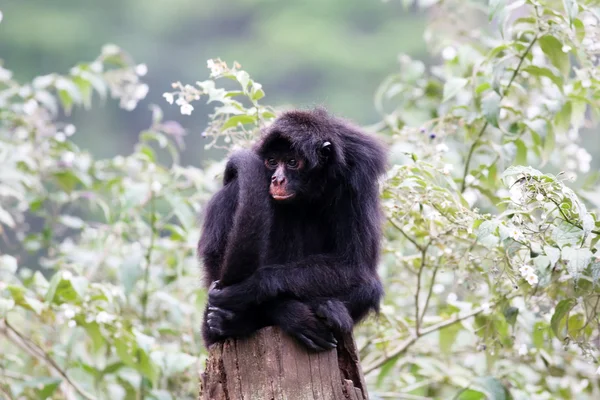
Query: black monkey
point(292, 239)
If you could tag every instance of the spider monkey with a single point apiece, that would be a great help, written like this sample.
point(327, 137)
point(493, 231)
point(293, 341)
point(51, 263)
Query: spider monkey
point(292, 238)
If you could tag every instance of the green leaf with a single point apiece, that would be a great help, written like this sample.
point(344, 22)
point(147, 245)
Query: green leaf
point(553, 254)
point(490, 106)
point(130, 272)
point(453, 86)
point(565, 234)
point(561, 311)
point(539, 333)
point(448, 337)
point(511, 314)
point(575, 324)
point(542, 71)
point(470, 394)
point(521, 157)
point(496, 6)
point(493, 388)
point(549, 143)
point(577, 260)
point(6, 218)
point(571, 8)
point(552, 47)
point(94, 332)
point(596, 271)
point(238, 119)
point(562, 119)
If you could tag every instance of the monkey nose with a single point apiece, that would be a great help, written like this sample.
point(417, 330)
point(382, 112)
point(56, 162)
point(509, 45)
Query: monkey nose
point(277, 180)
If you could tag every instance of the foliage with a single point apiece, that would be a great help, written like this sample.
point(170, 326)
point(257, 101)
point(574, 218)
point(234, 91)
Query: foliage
point(490, 255)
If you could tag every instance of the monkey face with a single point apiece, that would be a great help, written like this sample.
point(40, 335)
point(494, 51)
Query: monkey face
point(285, 169)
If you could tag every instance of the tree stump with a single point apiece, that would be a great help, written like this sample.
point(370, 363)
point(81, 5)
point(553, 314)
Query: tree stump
point(272, 366)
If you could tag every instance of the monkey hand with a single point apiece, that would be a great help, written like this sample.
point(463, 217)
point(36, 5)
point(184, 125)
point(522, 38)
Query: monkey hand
point(221, 323)
point(335, 315)
point(234, 297)
point(313, 334)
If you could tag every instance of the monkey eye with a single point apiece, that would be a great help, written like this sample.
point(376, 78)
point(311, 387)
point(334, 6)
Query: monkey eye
point(292, 163)
point(271, 162)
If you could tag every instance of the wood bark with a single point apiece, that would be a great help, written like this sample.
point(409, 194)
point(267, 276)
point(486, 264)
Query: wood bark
point(272, 366)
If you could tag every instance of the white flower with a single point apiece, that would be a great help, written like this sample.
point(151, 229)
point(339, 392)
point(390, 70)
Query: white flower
point(96, 67)
point(5, 74)
point(216, 68)
point(532, 279)
point(141, 91)
point(110, 50)
point(525, 270)
point(168, 97)
point(70, 130)
point(437, 288)
point(442, 148)
point(141, 69)
point(485, 306)
point(30, 106)
point(515, 234)
point(447, 169)
point(516, 194)
point(72, 323)
point(156, 186)
point(69, 313)
point(571, 164)
point(452, 297)
point(539, 197)
point(60, 137)
point(523, 350)
point(104, 317)
point(566, 48)
point(180, 101)
point(67, 158)
point(449, 53)
point(586, 83)
point(186, 109)
point(67, 275)
point(470, 180)
point(583, 155)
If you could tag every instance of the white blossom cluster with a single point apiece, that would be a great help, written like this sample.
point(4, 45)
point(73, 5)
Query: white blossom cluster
point(529, 274)
point(124, 83)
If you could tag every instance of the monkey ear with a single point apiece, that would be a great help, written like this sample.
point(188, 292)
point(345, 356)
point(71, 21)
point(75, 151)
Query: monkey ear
point(325, 150)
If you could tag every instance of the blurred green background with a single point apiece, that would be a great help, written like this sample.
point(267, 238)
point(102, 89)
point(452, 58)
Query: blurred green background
point(312, 52)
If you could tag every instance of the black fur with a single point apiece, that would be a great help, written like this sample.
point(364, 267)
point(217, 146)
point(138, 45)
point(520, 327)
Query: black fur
point(307, 265)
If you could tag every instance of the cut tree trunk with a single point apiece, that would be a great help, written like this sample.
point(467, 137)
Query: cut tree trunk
point(272, 366)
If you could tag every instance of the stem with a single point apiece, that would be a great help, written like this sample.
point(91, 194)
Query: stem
point(485, 125)
point(402, 347)
point(435, 270)
point(144, 318)
point(410, 239)
point(418, 291)
point(35, 351)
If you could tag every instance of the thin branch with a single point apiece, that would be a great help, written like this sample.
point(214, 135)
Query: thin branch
point(410, 239)
point(149, 251)
point(435, 270)
point(566, 219)
point(34, 350)
point(485, 125)
point(418, 291)
point(402, 347)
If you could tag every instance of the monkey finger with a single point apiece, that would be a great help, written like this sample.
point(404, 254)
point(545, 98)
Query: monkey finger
point(222, 312)
point(325, 343)
point(308, 342)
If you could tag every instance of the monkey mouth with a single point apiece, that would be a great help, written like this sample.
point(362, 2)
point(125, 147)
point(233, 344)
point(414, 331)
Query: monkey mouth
point(280, 195)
